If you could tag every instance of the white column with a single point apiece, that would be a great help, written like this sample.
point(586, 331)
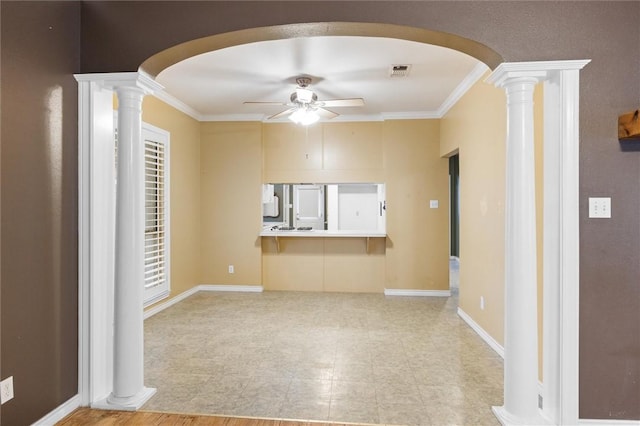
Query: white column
point(124, 389)
point(560, 246)
point(128, 348)
point(561, 241)
point(520, 322)
point(521, 331)
point(96, 200)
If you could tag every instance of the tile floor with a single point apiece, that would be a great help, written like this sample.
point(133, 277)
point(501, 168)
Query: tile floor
point(362, 358)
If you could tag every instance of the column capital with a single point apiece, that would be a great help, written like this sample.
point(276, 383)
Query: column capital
point(114, 81)
point(506, 72)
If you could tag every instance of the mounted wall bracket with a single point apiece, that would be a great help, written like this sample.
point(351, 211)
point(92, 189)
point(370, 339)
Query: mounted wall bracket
point(629, 126)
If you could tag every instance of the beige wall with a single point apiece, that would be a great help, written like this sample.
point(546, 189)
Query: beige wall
point(404, 154)
point(476, 127)
point(324, 264)
point(418, 236)
point(323, 153)
point(184, 191)
point(231, 173)
point(216, 172)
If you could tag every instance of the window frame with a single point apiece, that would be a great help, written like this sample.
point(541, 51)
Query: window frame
point(156, 293)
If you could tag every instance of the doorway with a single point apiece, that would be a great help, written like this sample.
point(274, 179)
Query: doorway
point(454, 197)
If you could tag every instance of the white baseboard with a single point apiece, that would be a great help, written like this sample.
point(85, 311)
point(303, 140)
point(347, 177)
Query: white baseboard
point(482, 333)
point(609, 422)
point(422, 293)
point(202, 287)
point(60, 413)
point(162, 306)
point(239, 288)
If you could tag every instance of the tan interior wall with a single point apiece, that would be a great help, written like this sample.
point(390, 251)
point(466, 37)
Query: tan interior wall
point(538, 112)
point(324, 153)
point(404, 154)
point(231, 175)
point(476, 127)
point(418, 236)
point(324, 264)
point(216, 171)
point(184, 191)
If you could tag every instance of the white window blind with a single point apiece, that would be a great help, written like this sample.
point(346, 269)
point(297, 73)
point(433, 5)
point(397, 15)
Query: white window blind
point(156, 210)
point(154, 231)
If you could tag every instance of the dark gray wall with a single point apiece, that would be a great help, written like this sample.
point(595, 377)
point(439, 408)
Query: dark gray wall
point(120, 36)
point(40, 51)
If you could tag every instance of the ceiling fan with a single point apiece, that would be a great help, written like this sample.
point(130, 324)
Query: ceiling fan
point(304, 106)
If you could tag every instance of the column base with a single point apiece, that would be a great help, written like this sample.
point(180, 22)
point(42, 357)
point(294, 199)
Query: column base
point(507, 419)
point(131, 403)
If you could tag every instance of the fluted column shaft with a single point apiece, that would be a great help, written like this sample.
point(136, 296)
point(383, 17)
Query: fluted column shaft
point(521, 335)
point(128, 337)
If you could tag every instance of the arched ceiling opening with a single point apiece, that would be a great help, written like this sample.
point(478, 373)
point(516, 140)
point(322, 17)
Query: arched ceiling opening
point(215, 75)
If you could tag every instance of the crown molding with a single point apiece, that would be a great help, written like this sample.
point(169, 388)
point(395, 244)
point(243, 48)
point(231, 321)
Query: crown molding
point(410, 115)
point(404, 115)
point(355, 117)
point(234, 117)
point(179, 105)
point(478, 71)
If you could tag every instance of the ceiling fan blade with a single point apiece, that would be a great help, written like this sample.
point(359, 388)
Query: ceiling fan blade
point(282, 113)
point(264, 103)
point(354, 102)
point(326, 114)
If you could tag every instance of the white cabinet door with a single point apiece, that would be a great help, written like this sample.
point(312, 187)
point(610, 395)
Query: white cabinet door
point(308, 204)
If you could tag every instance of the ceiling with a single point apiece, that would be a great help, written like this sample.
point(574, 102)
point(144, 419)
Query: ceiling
point(215, 85)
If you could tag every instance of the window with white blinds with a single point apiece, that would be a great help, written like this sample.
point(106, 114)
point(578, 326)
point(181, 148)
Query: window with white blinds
point(156, 211)
point(156, 208)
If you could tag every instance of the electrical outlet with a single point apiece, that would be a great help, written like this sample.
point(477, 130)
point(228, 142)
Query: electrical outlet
point(231, 269)
point(600, 207)
point(482, 303)
point(6, 389)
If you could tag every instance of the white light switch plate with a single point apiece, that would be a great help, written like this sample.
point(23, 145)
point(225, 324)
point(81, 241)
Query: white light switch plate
point(6, 389)
point(433, 204)
point(600, 207)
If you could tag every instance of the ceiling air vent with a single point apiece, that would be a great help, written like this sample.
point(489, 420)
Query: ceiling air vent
point(399, 70)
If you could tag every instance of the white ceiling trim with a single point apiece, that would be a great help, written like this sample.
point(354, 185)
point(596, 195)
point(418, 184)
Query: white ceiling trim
point(179, 105)
point(235, 117)
point(411, 115)
point(478, 71)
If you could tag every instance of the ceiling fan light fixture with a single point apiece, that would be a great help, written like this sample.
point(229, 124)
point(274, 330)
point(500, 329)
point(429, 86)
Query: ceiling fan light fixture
point(305, 108)
point(304, 95)
point(304, 116)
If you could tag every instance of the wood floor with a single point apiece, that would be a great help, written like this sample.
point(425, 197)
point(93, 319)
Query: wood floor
point(87, 416)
